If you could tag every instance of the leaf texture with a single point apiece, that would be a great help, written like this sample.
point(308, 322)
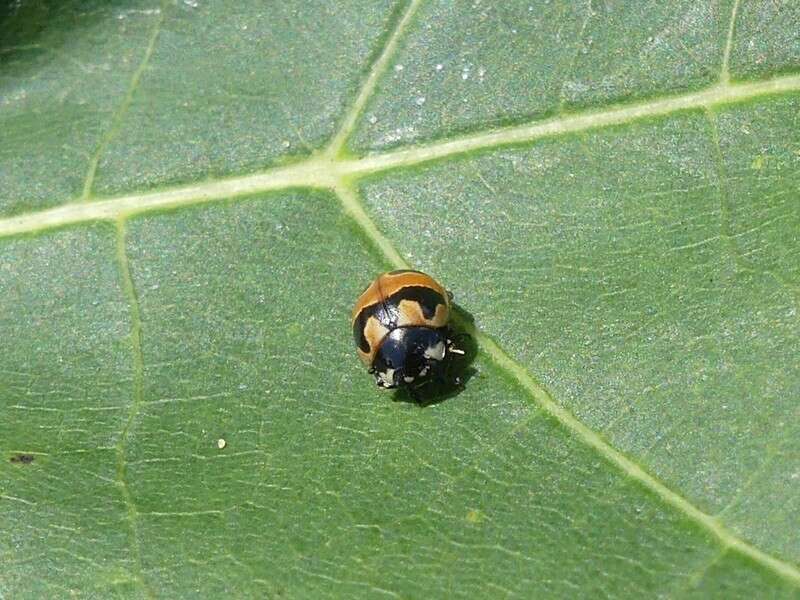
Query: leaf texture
point(193, 193)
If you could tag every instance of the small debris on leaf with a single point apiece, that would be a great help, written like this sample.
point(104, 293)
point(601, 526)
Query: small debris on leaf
point(24, 459)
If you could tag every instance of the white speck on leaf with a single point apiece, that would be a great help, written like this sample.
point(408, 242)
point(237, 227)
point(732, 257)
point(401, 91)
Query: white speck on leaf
point(399, 133)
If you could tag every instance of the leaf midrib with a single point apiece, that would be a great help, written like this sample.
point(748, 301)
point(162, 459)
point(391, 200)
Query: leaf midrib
point(328, 168)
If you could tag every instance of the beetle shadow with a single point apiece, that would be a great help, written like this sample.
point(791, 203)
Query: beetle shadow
point(459, 369)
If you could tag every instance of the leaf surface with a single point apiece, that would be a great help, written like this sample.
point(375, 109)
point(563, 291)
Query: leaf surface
point(192, 195)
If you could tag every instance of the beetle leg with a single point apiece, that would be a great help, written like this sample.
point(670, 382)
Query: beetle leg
point(451, 347)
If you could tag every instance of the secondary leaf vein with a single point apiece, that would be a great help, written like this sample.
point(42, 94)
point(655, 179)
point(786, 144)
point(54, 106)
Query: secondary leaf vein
point(542, 398)
point(725, 75)
point(136, 404)
point(375, 73)
point(119, 114)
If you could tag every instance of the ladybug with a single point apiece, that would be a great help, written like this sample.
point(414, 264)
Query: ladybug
point(400, 329)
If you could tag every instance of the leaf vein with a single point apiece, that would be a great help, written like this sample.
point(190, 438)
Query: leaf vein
point(119, 114)
point(326, 172)
point(365, 93)
point(725, 75)
point(543, 400)
point(132, 513)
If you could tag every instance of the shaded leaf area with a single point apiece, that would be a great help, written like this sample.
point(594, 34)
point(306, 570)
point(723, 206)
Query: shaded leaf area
point(270, 81)
point(324, 486)
point(64, 69)
point(223, 90)
point(656, 275)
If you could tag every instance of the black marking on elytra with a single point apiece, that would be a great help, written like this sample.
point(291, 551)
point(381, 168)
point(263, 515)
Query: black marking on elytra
point(388, 311)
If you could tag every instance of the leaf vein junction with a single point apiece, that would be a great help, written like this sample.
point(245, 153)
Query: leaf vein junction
point(542, 398)
point(331, 171)
point(119, 114)
point(378, 69)
point(325, 172)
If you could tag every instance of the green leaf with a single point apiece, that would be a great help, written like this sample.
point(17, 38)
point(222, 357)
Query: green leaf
point(192, 195)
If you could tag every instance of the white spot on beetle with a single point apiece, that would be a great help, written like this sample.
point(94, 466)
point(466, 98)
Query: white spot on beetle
point(435, 352)
point(386, 378)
